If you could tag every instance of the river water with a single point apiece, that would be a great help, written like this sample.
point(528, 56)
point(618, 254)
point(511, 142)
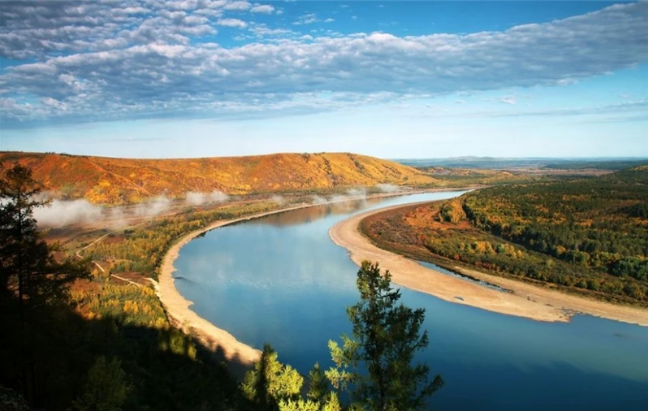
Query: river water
point(280, 279)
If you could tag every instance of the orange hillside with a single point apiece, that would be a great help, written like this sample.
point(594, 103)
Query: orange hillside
point(116, 180)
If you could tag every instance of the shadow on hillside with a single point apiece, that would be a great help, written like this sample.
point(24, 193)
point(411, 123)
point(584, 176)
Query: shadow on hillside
point(48, 359)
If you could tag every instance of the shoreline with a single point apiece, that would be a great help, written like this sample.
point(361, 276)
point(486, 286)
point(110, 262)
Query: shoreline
point(209, 335)
point(526, 300)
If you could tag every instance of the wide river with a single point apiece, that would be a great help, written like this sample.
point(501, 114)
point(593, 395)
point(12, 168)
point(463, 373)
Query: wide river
point(281, 280)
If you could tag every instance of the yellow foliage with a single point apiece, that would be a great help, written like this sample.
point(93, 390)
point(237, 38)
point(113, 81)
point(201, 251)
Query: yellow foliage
point(111, 180)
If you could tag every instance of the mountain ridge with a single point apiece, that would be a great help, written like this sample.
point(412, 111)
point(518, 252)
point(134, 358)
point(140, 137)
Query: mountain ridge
point(109, 180)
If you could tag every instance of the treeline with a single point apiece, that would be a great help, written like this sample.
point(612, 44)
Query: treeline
point(599, 224)
point(587, 235)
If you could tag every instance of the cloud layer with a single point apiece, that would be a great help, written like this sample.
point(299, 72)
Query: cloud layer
point(113, 60)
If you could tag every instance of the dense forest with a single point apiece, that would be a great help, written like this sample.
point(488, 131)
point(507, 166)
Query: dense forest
point(588, 235)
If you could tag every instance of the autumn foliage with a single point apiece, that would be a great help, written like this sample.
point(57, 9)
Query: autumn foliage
point(104, 180)
point(588, 236)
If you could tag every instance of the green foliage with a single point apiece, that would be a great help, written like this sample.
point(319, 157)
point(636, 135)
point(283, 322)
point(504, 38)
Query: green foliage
point(385, 338)
point(588, 236)
point(31, 281)
point(596, 226)
point(271, 382)
point(318, 385)
point(27, 267)
point(106, 388)
point(143, 248)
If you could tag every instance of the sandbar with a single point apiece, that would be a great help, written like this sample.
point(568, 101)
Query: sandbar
point(178, 308)
point(525, 300)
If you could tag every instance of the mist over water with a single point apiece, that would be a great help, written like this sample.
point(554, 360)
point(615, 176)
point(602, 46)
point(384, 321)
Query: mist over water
point(281, 280)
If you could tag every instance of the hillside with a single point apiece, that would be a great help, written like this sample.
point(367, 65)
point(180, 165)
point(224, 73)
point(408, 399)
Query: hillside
point(118, 181)
point(589, 236)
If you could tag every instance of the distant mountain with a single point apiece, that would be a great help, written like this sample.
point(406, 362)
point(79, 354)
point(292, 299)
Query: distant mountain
point(116, 180)
point(530, 162)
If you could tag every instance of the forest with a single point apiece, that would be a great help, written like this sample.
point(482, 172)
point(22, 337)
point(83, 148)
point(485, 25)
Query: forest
point(79, 337)
point(588, 236)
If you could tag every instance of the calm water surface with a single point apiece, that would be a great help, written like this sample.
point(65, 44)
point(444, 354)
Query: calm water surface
point(281, 280)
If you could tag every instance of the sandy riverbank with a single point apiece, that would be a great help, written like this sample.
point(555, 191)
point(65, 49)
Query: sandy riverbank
point(178, 308)
point(527, 300)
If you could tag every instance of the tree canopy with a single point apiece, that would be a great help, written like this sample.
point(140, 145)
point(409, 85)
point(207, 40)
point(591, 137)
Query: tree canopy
point(375, 363)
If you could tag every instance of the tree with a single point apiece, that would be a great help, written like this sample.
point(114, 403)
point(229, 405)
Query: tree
point(106, 388)
point(28, 272)
point(318, 385)
point(30, 278)
point(271, 382)
point(375, 364)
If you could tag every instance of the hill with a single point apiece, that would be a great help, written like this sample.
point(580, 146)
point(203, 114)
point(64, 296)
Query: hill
point(588, 236)
point(119, 181)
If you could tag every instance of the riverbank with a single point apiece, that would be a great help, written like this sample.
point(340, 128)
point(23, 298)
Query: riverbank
point(179, 309)
point(526, 300)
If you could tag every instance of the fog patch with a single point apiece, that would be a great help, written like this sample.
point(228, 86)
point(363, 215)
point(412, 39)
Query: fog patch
point(59, 213)
point(153, 207)
point(389, 188)
point(315, 199)
point(197, 198)
point(278, 199)
point(338, 198)
point(357, 193)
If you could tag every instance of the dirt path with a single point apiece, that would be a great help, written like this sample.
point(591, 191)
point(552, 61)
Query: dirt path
point(527, 300)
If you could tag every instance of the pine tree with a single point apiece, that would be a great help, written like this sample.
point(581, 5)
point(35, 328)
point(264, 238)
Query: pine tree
point(31, 280)
point(375, 364)
point(271, 382)
point(106, 389)
point(29, 275)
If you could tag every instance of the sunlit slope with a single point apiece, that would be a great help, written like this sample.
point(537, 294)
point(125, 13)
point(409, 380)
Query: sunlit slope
point(115, 180)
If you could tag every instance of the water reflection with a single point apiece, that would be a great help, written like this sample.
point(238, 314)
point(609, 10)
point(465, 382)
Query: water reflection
point(280, 279)
point(306, 215)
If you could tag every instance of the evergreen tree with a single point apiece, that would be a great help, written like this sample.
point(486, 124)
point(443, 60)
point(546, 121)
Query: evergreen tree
point(318, 385)
point(375, 364)
point(271, 382)
point(29, 275)
point(106, 388)
point(30, 279)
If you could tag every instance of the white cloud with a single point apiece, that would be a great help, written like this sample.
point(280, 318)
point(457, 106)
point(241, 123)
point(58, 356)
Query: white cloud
point(309, 18)
point(265, 9)
point(238, 6)
point(232, 23)
point(151, 68)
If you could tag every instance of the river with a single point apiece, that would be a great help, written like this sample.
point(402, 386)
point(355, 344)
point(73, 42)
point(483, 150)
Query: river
point(280, 279)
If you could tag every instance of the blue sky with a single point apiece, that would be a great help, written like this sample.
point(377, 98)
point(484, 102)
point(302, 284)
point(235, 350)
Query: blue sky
point(393, 79)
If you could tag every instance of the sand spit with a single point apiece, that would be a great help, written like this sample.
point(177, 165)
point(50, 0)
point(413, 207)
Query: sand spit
point(526, 300)
point(212, 337)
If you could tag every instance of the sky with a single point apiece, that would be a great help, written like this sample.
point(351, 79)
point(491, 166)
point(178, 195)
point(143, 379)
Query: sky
point(392, 79)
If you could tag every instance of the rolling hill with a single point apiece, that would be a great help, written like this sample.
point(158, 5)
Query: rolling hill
point(104, 180)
